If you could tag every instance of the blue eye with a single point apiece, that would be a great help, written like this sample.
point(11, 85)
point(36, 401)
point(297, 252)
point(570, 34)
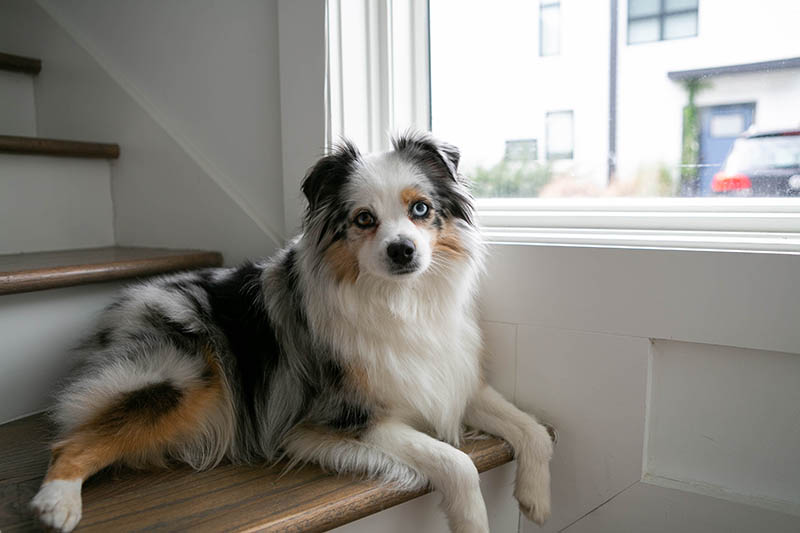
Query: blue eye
point(419, 209)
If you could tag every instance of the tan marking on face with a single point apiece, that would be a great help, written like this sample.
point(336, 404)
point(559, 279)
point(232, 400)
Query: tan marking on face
point(342, 261)
point(448, 243)
point(410, 196)
point(137, 435)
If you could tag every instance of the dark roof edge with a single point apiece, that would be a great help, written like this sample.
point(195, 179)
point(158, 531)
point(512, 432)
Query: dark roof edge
point(778, 64)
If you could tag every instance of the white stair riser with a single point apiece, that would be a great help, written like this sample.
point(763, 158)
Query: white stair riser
point(54, 203)
point(17, 106)
point(36, 331)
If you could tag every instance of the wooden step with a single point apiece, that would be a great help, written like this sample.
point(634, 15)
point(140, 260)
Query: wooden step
point(13, 63)
point(49, 270)
point(228, 497)
point(56, 147)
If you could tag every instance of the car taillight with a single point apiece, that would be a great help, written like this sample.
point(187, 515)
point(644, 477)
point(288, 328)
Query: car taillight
point(723, 182)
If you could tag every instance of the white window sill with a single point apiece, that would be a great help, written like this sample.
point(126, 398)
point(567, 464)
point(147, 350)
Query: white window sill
point(618, 238)
point(740, 224)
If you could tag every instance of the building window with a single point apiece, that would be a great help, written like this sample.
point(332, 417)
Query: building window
point(559, 135)
point(523, 150)
point(659, 20)
point(550, 29)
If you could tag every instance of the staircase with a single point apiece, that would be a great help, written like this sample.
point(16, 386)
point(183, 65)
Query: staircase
point(56, 236)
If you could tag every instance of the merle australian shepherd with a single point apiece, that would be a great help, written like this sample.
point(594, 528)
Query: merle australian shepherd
point(356, 347)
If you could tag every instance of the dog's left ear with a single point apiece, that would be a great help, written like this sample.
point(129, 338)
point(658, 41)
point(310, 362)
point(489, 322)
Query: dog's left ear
point(430, 151)
point(327, 177)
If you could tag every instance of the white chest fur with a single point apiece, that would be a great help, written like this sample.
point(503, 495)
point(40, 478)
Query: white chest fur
point(425, 373)
point(419, 348)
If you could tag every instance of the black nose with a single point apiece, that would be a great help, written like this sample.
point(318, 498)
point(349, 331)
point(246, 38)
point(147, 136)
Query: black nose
point(401, 252)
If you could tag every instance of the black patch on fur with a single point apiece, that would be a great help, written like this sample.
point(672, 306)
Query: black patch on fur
point(292, 284)
point(335, 222)
point(103, 337)
point(237, 308)
point(329, 174)
point(351, 417)
point(336, 408)
point(322, 187)
point(146, 405)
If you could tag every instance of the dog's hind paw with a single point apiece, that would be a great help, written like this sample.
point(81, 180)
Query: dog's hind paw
point(58, 504)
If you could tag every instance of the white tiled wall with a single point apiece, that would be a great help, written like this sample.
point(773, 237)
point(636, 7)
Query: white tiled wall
point(708, 403)
point(594, 341)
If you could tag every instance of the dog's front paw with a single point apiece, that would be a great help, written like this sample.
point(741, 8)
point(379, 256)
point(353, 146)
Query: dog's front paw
point(533, 491)
point(58, 504)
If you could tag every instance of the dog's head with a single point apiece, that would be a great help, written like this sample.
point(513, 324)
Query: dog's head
point(393, 215)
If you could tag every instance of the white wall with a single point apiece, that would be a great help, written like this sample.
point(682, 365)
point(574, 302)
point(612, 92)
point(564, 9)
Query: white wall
point(37, 330)
point(671, 375)
point(208, 72)
point(18, 111)
point(166, 190)
point(776, 95)
point(726, 417)
point(302, 73)
point(53, 203)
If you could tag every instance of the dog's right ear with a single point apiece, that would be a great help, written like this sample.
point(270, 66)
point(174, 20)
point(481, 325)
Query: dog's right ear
point(327, 177)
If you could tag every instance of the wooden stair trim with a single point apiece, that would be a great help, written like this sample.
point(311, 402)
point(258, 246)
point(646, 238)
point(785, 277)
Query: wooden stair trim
point(14, 144)
point(14, 63)
point(228, 497)
point(49, 270)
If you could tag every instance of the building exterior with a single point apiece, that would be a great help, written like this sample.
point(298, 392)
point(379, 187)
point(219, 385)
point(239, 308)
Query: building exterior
point(744, 54)
point(597, 110)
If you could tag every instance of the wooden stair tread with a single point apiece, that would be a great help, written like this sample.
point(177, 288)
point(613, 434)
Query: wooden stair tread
point(47, 270)
point(14, 144)
point(14, 63)
point(228, 497)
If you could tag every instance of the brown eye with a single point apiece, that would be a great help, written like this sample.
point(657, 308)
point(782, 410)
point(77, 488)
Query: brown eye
point(365, 219)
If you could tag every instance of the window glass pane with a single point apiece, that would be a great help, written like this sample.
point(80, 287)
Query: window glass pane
point(727, 125)
point(507, 108)
point(641, 8)
point(780, 151)
point(677, 26)
point(551, 29)
point(677, 5)
point(521, 150)
point(643, 31)
point(559, 135)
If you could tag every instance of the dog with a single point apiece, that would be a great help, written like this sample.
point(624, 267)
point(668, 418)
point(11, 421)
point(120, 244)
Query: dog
point(356, 347)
